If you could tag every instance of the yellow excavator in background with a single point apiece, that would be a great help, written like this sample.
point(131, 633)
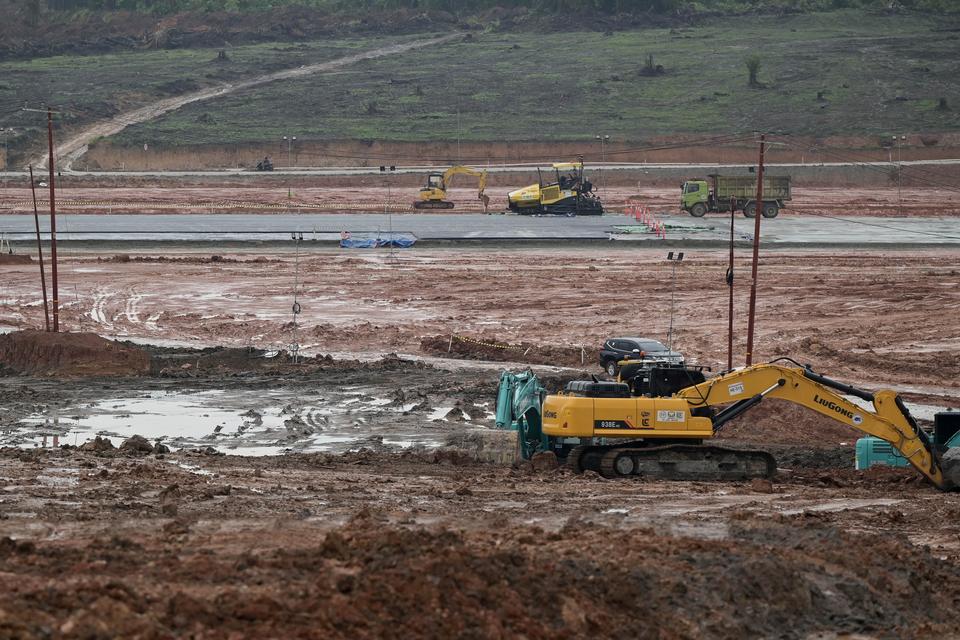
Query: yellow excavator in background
point(434, 194)
point(632, 427)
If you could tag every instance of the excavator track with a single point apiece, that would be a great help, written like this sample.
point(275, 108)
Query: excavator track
point(673, 462)
point(574, 458)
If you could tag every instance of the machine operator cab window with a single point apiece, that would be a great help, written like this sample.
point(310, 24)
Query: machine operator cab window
point(568, 181)
point(435, 180)
point(691, 187)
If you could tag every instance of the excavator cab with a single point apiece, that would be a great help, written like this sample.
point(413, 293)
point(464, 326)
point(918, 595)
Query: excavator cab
point(659, 380)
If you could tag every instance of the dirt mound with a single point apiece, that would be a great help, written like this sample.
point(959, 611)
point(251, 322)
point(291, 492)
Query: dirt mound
point(69, 354)
point(125, 258)
point(15, 258)
point(369, 579)
point(492, 348)
point(781, 422)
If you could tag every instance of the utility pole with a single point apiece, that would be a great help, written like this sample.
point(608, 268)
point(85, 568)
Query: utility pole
point(673, 287)
point(387, 211)
point(43, 278)
point(289, 140)
point(53, 227)
point(7, 132)
point(733, 206)
point(758, 213)
point(899, 142)
point(295, 347)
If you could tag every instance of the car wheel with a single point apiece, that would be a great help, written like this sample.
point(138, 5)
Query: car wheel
point(698, 210)
point(611, 368)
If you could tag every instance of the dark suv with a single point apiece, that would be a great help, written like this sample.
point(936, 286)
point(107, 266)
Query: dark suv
point(617, 349)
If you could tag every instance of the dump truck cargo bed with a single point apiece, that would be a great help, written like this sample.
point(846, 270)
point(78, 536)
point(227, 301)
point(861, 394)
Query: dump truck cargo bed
point(745, 187)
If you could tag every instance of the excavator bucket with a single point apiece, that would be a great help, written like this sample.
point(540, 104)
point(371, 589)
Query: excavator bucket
point(519, 404)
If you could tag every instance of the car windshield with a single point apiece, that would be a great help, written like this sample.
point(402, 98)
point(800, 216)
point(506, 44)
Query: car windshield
point(651, 345)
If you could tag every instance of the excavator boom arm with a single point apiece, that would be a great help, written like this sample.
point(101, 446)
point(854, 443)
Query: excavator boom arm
point(888, 418)
point(458, 170)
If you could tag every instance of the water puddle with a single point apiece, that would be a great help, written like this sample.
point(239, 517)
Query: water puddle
point(261, 423)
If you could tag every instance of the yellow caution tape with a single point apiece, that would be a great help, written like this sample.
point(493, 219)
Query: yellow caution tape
point(493, 345)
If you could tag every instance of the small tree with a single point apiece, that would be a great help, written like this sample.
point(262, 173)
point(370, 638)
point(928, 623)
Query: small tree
point(753, 62)
point(32, 11)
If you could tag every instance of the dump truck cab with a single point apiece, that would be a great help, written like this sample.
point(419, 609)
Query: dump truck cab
point(694, 192)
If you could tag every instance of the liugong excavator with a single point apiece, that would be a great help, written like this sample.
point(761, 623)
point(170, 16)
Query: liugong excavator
point(434, 194)
point(653, 422)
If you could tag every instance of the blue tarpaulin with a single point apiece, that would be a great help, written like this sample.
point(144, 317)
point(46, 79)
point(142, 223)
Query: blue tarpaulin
point(374, 243)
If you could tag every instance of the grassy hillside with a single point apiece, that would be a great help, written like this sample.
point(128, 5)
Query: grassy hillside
point(94, 87)
point(847, 72)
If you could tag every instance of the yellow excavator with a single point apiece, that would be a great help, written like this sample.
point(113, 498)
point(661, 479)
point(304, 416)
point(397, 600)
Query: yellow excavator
point(653, 422)
point(434, 194)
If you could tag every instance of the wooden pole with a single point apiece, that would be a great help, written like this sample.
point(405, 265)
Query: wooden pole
point(43, 278)
point(758, 213)
point(53, 227)
point(733, 208)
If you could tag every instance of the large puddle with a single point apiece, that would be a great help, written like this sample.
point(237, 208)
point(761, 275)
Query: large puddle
point(255, 423)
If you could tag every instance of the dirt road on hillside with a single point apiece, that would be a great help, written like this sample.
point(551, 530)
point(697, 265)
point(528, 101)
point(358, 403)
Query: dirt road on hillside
point(76, 145)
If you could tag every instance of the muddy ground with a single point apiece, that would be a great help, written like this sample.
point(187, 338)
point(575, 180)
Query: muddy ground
point(428, 544)
point(394, 510)
point(881, 317)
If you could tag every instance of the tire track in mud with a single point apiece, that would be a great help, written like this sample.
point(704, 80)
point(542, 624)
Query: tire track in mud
point(76, 145)
point(132, 309)
point(98, 310)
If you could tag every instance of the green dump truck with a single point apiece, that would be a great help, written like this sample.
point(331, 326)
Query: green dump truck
point(715, 194)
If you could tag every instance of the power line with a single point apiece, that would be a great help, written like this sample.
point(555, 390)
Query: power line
point(883, 226)
point(873, 165)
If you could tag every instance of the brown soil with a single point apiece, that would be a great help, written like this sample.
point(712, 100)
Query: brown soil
point(14, 258)
point(124, 257)
point(105, 542)
point(860, 317)
point(363, 193)
point(486, 347)
point(374, 546)
point(781, 422)
point(107, 156)
point(69, 354)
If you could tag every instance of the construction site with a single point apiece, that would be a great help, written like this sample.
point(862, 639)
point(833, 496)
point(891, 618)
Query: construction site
point(430, 382)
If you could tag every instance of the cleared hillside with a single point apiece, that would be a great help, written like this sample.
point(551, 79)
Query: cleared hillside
point(840, 73)
point(821, 74)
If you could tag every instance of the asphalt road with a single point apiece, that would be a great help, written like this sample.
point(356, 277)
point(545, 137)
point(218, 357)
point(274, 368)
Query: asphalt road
point(786, 229)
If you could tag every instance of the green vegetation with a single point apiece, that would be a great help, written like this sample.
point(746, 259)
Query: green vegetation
point(824, 74)
point(753, 62)
point(96, 87)
point(459, 6)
